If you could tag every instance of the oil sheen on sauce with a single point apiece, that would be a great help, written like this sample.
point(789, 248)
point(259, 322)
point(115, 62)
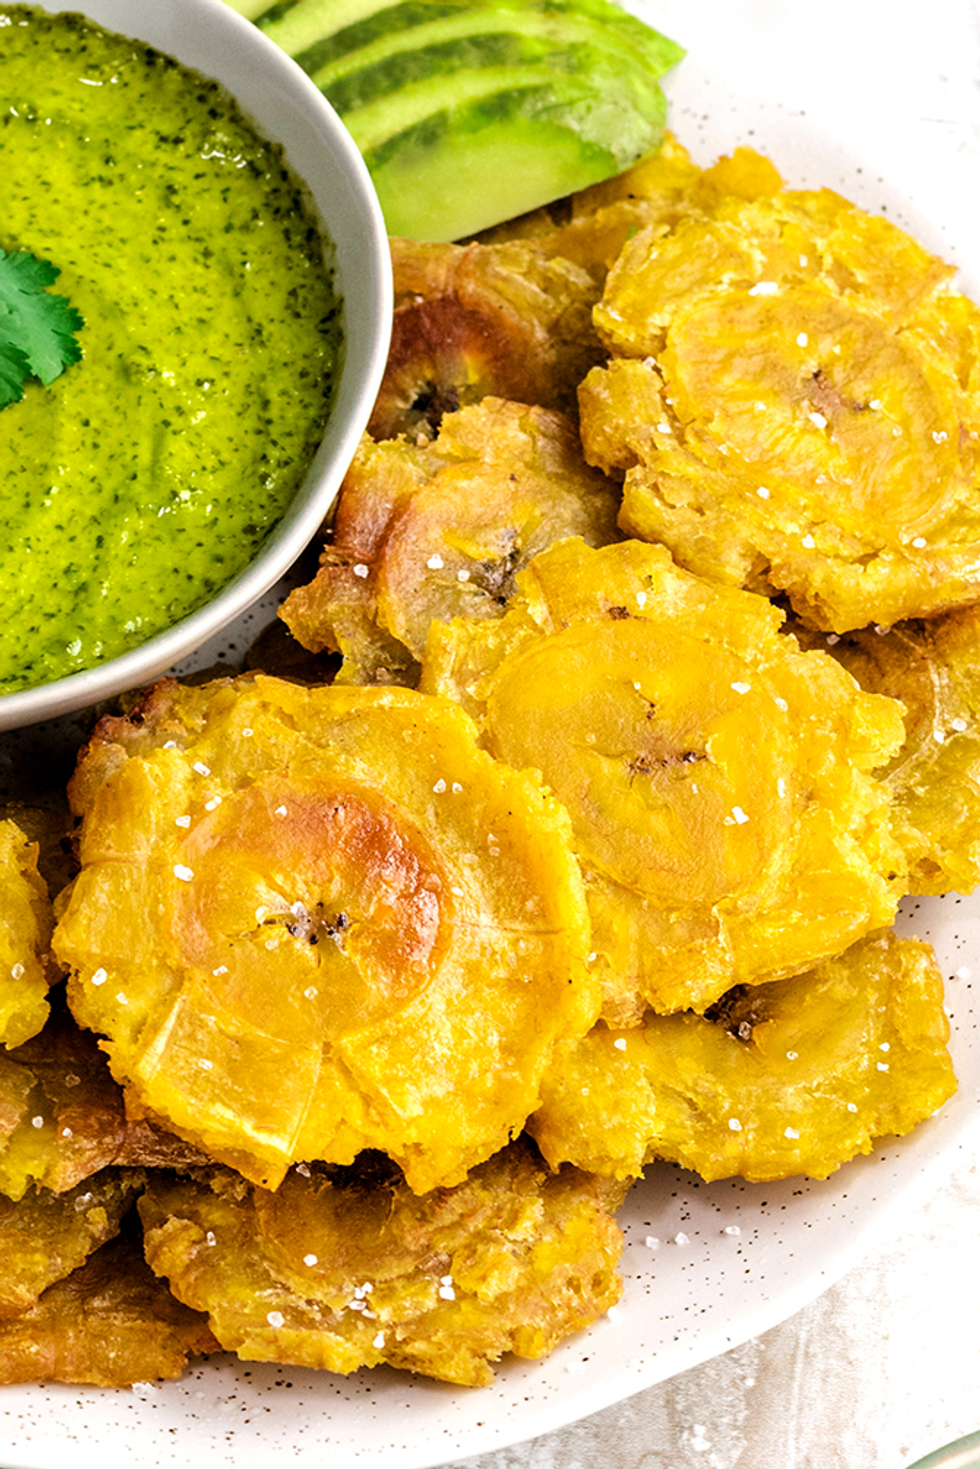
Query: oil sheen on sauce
point(145, 477)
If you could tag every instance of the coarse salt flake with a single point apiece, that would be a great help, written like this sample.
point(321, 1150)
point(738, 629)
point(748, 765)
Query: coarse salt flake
point(817, 419)
point(791, 1132)
point(958, 724)
point(311, 1260)
point(182, 821)
point(435, 563)
point(732, 1229)
point(739, 815)
point(359, 569)
point(882, 1065)
point(762, 493)
point(205, 1064)
point(940, 436)
point(764, 288)
point(809, 542)
point(16, 971)
point(734, 1124)
point(439, 786)
point(184, 873)
point(99, 977)
point(802, 339)
point(37, 1121)
point(462, 574)
point(276, 1319)
point(919, 542)
point(201, 768)
point(379, 1340)
point(741, 688)
point(221, 969)
point(281, 811)
point(620, 1043)
point(963, 972)
point(651, 1242)
point(680, 1238)
point(456, 787)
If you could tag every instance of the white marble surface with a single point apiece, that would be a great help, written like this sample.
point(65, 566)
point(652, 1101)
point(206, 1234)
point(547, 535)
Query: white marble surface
point(882, 1368)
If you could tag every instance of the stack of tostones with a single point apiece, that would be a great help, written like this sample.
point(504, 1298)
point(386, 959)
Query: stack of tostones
point(309, 921)
point(323, 1275)
point(793, 1077)
point(794, 399)
point(438, 530)
point(586, 844)
point(717, 778)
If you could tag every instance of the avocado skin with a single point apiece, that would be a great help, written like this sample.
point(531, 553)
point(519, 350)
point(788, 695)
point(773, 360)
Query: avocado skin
point(469, 112)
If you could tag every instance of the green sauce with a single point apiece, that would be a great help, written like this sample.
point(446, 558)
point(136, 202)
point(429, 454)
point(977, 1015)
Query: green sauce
point(146, 476)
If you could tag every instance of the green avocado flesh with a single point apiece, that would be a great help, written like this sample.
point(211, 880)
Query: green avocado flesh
point(143, 479)
point(469, 112)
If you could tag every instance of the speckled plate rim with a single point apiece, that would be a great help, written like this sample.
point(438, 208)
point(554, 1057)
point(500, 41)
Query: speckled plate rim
point(703, 1287)
point(287, 108)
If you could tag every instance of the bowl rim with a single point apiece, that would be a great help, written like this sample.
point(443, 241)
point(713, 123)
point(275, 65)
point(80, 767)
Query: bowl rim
point(962, 1453)
point(286, 107)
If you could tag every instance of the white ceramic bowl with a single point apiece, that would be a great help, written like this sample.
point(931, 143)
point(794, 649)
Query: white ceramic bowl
point(284, 106)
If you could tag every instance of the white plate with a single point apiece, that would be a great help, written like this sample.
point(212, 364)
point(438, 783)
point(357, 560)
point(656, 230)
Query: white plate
point(878, 99)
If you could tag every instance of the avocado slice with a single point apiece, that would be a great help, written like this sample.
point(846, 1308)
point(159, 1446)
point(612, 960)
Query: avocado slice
point(468, 112)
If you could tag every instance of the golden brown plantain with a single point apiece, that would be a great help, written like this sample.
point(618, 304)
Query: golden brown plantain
point(792, 1077)
point(717, 777)
point(62, 1116)
point(473, 321)
point(310, 921)
point(44, 1236)
point(512, 1259)
point(440, 529)
point(933, 667)
point(110, 1323)
point(795, 405)
point(27, 970)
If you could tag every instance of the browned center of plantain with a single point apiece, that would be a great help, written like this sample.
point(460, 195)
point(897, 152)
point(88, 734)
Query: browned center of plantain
point(320, 889)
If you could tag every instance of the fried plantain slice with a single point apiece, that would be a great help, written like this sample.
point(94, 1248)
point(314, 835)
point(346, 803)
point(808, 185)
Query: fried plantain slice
point(591, 226)
point(50, 828)
point(473, 321)
point(513, 1259)
point(795, 405)
point(794, 1077)
point(439, 530)
point(716, 776)
point(27, 970)
point(110, 1323)
point(312, 920)
point(933, 667)
point(62, 1116)
point(45, 1236)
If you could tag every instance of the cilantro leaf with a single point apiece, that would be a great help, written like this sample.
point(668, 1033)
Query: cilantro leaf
point(36, 328)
